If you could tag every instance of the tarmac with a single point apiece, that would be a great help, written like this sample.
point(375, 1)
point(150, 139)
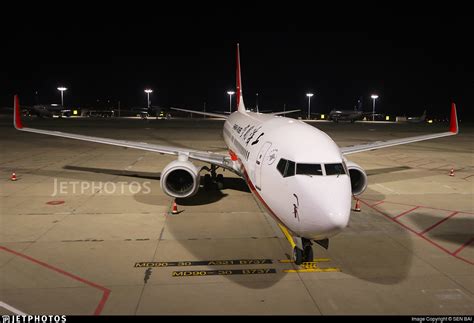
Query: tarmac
point(85, 229)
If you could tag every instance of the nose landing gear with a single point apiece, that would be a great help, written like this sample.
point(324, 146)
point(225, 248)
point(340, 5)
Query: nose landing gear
point(302, 249)
point(305, 254)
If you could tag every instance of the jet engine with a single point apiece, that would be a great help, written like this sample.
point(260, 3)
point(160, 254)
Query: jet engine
point(180, 178)
point(358, 178)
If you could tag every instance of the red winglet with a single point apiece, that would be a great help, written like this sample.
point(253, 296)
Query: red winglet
point(16, 113)
point(453, 124)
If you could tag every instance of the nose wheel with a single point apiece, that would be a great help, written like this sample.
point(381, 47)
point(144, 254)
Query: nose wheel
point(305, 254)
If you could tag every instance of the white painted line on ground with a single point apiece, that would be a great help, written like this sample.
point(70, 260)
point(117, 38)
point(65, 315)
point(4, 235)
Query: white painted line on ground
point(11, 309)
point(386, 188)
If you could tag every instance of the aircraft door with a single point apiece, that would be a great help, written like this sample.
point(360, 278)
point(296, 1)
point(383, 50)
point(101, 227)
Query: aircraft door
point(259, 163)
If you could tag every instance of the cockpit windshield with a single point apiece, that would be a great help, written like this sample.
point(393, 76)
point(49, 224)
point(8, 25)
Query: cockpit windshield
point(309, 169)
point(289, 168)
point(334, 169)
point(286, 167)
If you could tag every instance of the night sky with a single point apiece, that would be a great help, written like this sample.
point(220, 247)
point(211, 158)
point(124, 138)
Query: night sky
point(412, 62)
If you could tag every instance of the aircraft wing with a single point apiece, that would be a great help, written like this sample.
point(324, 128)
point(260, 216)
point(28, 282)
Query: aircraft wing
point(284, 112)
point(204, 156)
point(210, 114)
point(453, 130)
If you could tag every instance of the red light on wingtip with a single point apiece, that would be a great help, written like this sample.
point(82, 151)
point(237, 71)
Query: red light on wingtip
point(453, 124)
point(16, 103)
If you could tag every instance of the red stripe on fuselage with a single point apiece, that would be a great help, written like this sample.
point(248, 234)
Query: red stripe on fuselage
point(254, 191)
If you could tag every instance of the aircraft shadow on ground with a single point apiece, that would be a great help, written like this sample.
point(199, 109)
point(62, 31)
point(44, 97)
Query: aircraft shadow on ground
point(211, 195)
point(384, 175)
point(127, 173)
point(455, 230)
point(348, 261)
point(203, 196)
point(372, 255)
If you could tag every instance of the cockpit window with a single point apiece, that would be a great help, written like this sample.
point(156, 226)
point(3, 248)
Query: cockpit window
point(334, 169)
point(286, 167)
point(309, 169)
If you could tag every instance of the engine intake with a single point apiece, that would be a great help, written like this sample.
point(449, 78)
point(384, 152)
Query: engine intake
point(358, 178)
point(180, 178)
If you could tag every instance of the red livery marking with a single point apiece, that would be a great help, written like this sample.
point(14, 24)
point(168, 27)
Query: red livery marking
point(233, 156)
point(106, 291)
point(16, 104)
point(453, 125)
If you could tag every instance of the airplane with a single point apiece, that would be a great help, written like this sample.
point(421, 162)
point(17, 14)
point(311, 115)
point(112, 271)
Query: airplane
point(345, 115)
point(296, 171)
point(419, 119)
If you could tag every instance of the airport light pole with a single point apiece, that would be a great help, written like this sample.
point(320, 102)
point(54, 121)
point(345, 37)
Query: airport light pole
point(309, 95)
point(230, 100)
point(256, 101)
point(374, 97)
point(62, 89)
point(148, 91)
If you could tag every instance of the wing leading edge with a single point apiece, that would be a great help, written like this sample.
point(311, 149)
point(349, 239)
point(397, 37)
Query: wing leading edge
point(204, 156)
point(453, 130)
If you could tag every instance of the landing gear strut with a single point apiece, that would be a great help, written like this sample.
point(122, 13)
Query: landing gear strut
point(213, 180)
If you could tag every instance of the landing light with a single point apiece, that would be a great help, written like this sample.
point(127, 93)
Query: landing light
point(430, 121)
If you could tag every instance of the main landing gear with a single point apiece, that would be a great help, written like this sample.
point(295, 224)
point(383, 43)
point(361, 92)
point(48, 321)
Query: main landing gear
point(213, 180)
point(302, 247)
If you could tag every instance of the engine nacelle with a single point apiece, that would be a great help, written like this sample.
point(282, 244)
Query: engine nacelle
point(180, 178)
point(358, 178)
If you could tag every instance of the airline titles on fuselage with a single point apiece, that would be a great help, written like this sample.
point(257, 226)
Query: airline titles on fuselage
point(242, 137)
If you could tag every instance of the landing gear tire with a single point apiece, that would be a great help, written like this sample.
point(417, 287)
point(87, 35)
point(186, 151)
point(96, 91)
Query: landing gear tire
point(220, 181)
point(308, 253)
point(298, 256)
point(207, 181)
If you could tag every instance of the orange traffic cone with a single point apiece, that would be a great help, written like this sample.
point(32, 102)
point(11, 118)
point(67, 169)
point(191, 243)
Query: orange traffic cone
point(357, 206)
point(451, 173)
point(174, 210)
point(13, 178)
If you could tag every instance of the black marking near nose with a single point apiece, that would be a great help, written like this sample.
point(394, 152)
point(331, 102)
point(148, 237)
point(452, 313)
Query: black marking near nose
point(256, 140)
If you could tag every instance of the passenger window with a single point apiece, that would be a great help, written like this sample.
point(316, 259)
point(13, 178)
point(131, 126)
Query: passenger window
point(309, 169)
point(334, 169)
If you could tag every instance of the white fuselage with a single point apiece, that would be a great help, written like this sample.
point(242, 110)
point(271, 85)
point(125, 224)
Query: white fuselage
point(310, 206)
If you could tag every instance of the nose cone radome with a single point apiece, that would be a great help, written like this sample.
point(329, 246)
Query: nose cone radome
point(327, 207)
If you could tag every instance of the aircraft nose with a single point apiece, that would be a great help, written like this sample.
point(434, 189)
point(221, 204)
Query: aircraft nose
point(327, 208)
point(337, 214)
